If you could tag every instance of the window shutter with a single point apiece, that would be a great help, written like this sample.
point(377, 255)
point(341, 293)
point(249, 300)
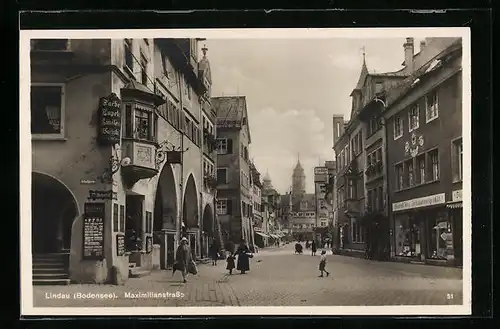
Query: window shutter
point(229, 146)
point(229, 204)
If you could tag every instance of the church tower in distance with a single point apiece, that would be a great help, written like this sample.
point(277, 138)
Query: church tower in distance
point(298, 182)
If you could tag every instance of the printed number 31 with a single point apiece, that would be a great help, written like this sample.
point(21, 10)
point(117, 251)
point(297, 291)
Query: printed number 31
point(449, 296)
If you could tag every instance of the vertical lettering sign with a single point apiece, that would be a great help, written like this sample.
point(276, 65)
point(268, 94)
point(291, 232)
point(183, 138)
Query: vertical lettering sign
point(110, 119)
point(93, 231)
point(120, 245)
point(116, 223)
point(122, 218)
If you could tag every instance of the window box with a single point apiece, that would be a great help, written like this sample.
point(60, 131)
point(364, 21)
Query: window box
point(48, 111)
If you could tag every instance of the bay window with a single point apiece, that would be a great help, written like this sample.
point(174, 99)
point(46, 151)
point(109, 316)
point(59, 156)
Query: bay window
point(140, 122)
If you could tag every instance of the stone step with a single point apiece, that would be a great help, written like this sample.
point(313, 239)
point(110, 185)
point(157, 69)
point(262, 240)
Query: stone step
point(49, 265)
point(51, 276)
point(42, 270)
point(51, 282)
point(137, 272)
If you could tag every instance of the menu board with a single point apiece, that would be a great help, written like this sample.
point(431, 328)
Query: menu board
point(149, 244)
point(93, 231)
point(110, 119)
point(120, 245)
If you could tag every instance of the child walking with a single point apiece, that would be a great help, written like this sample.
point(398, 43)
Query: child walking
point(230, 263)
point(322, 264)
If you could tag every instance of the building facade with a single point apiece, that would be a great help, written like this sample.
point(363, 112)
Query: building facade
point(425, 164)
point(234, 179)
point(123, 119)
point(257, 219)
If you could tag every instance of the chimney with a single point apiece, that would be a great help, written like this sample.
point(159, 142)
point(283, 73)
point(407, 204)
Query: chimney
point(422, 45)
point(409, 52)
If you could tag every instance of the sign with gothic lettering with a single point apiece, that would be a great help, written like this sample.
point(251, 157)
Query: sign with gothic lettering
point(426, 201)
point(110, 120)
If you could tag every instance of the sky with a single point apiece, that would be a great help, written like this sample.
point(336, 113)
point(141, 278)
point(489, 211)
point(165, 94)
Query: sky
point(292, 88)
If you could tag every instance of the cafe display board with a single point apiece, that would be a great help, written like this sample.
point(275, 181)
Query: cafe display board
point(120, 245)
point(93, 231)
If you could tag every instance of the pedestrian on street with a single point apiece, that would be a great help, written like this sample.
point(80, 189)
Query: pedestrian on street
point(322, 264)
point(313, 248)
point(230, 263)
point(182, 258)
point(244, 256)
point(214, 252)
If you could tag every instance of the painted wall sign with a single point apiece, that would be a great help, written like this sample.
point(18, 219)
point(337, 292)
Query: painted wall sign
point(93, 231)
point(102, 195)
point(426, 201)
point(456, 195)
point(412, 146)
point(110, 119)
point(120, 245)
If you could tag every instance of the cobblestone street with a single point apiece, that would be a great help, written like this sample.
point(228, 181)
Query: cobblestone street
point(278, 278)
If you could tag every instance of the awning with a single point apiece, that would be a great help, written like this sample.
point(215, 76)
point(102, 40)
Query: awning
point(261, 234)
point(455, 205)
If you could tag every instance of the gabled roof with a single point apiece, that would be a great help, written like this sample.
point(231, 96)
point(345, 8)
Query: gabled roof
point(435, 63)
point(232, 108)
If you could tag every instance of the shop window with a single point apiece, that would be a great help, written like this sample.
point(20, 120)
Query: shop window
point(398, 127)
point(432, 106)
point(222, 176)
point(128, 55)
point(440, 240)
point(458, 160)
point(222, 207)
point(407, 233)
point(413, 118)
point(47, 110)
point(399, 176)
point(421, 169)
point(434, 160)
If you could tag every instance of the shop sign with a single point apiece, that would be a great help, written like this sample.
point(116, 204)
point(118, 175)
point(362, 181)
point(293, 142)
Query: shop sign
point(93, 231)
point(110, 119)
point(87, 181)
point(427, 201)
point(120, 245)
point(456, 196)
point(102, 195)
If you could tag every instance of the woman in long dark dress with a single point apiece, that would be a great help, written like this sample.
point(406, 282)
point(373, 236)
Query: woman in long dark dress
point(214, 252)
point(244, 256)
point(313, 248)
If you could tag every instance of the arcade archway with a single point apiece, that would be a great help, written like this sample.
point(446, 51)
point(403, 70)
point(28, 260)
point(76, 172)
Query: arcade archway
point(190, 205)
point(165, 216)
point(165, 211)
point(208, 237)
point(190, 226)
point(53, 209)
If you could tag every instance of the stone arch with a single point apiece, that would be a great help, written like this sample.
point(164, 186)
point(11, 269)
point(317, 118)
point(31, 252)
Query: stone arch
point(53, 208)
point(165, 204)
point(190, 204)
point(208, 221)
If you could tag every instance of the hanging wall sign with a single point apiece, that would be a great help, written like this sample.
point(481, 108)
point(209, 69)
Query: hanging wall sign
point(109, 120)
point(93, 231)
point(174, 157)
point(102, 195)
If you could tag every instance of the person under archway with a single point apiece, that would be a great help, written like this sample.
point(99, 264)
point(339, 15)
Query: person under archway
point(182, 258)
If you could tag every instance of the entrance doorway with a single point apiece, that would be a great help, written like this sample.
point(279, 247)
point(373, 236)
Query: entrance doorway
point(53, 210)
point(458, 235)
point(133, 223)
